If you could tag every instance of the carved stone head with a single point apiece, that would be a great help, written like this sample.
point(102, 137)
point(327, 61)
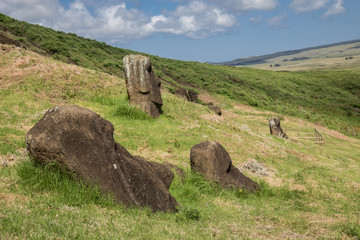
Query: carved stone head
point(275, 128)
point(143, 86)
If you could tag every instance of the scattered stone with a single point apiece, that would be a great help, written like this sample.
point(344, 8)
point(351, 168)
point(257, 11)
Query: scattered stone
point(12, 159)
point(143, 86)
point(275, 128)
point(82, 142)
point(212, 161)
point(255, 167)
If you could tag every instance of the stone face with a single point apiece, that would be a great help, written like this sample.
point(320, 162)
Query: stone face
point(212, 161)
point(82, 142)
point(275, 128)
point(143, 86)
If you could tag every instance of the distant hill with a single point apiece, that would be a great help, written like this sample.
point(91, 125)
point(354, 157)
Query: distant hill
point(335, 50)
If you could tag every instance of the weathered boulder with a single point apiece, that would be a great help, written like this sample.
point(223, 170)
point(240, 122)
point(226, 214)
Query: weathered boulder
point(275, 128)
point(214, 108)
point(212, 161)
point(143, 86)
point(82, 142)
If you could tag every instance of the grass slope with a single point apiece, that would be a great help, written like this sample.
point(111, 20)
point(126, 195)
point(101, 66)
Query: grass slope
point(310, 191)
point(330, 98)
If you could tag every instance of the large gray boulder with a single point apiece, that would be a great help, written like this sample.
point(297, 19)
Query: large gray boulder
point(143, 86)
point(275, 128)
point(212, 161)
point(82, 142)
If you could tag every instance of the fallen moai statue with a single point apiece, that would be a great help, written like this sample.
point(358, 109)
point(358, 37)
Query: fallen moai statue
point(214, 108)
point(275, 128)
point(212, 161)
point(143, 86)
point(82, 142)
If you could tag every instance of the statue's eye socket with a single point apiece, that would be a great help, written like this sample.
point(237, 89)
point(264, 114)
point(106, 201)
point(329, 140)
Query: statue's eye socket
point(159, 84)
point(149, 69)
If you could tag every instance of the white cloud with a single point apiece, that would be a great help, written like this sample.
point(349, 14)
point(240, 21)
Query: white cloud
point(34, 11)
point(195, 20)
point(302, 6)
point(336, 9)
point(278, 21)
point(256, 20)
point(242, 6)
point(118, 24)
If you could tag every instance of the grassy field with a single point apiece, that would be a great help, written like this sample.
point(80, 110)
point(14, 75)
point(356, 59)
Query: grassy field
point(310, 191)
point(330, 98)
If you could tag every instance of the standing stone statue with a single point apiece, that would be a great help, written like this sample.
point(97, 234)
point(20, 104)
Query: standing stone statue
point(275, 128)
point(143, 86)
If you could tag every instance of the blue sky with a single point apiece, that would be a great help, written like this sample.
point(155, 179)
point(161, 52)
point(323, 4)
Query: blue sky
point(199, 30)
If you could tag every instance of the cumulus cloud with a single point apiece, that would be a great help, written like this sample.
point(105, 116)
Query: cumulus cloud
point(336, 9)
point(256, 20)
point(34, 11)
point(242, 6)
point(116, 23)
point(279, 21)
point(302, 6)
point(195, 20)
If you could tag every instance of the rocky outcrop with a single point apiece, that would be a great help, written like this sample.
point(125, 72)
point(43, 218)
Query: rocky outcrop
point(82, 142)
point(275, 128)
point(143, 86)
point(212, 161)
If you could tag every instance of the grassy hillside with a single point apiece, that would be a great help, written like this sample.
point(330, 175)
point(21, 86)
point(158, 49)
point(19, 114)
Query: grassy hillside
point(330, 98)
point(308, 191)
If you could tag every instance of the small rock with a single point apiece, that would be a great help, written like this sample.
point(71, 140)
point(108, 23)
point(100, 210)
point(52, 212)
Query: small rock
point(255, 167)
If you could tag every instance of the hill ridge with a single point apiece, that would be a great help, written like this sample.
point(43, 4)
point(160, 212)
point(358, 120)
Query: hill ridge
point(262, 58)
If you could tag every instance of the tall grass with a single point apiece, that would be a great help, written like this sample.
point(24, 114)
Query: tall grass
point(68, 190)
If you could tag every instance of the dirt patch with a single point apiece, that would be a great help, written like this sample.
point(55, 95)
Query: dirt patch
point(206, 98)
point(248, 109)
point(11, 159)
point(267, 173)
point(301, 156)
point(212, 118)
point(11, 198)
point(7, 40)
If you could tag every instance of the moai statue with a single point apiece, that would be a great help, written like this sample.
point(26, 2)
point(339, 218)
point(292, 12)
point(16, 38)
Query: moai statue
point(143, 86)
point(275, 129)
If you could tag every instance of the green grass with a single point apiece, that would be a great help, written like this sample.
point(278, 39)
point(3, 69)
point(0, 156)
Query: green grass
point(330, 98)
point(312, 190)
point(69, 191)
